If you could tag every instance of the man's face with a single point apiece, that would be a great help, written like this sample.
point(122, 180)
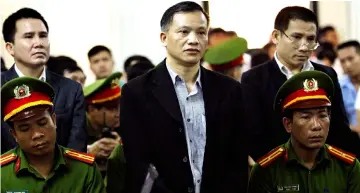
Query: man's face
point(309, 127)
point(108, 114)
point(186, 39)
point(332, 37)
point(101, 64)
point(77, 76)
point(292, 45)
point(36, 135)
point(31, 45)
point(350, 60)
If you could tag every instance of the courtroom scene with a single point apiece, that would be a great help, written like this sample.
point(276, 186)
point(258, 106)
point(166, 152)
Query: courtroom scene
point(180, 96)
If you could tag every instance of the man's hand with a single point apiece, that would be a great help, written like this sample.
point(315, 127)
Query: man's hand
point(102, 148)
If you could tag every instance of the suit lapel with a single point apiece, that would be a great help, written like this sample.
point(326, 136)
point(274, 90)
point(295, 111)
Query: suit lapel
point(51, 79)
point(10, 74)
point(275, 74)
point(164, 91)
point(211, 93)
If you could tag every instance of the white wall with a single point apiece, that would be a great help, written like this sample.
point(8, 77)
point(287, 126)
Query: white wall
point(252, 20)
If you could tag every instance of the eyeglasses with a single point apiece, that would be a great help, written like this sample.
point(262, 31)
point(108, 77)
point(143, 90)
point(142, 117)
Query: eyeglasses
point(311, 45)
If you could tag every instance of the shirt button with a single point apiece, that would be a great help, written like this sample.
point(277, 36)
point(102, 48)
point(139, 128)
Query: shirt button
point(185, 159)
point(190, 189)
point(190, 141)
point(188, 120)
point(198, 181)
point(193, 161)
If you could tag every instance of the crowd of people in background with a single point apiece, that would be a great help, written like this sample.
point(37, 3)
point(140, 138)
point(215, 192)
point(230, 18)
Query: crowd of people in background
point(151, 122)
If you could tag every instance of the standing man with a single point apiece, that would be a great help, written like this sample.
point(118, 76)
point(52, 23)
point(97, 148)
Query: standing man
point(305, 163)
point(183, 119)
point(26, 35)
point(349, 56)
point(39, 164)
point(101, 61)
point(295, 38)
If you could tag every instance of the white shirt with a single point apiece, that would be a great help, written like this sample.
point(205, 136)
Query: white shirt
point(287, 72)
point(20, 74)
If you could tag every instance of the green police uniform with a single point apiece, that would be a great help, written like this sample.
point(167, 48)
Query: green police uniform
point(98, 93)
point(282, 170)
point(227, 54)
point(72, 171)
point(115, 175)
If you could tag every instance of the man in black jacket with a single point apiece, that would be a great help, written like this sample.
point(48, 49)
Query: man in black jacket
point(26, 36)
point(186, 121)
point(295, 38)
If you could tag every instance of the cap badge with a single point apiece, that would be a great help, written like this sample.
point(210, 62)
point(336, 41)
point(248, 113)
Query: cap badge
point(21, 92)
point(310, 85)
point(115, 82)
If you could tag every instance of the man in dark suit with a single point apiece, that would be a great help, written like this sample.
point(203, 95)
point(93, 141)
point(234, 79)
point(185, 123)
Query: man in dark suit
point(183, 119)
point(295, 38)
point(26, 35)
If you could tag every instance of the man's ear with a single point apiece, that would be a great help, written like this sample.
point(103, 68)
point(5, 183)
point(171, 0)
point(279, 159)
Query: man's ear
point(10, 48)
point(12, 131)
point(53, 117)
point(163, 38)
point(275, 35)
point(287, 124)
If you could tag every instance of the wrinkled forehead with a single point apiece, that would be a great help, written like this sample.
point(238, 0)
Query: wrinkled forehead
point(302, 28)
point(194, 20)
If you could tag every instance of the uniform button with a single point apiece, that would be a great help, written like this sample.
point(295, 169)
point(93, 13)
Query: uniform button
point(190, 189)
point(185, 159)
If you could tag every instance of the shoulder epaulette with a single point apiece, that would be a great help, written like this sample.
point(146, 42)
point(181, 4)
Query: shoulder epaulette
point(8, 158)
point(345, 156)
point(271, 156)
point(84, 157)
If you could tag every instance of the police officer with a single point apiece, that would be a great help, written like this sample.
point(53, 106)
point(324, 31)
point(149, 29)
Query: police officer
point(103, 111)
point(39, 164)
point(115, 174)
point(305, 163)
point(227, 57)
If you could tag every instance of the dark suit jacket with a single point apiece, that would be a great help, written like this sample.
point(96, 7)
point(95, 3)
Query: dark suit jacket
point(265, 80)
point(69, 110)
point(152, 130)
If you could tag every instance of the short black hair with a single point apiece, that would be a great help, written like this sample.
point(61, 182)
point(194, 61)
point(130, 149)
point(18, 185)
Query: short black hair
point(352, 43)
point(186, 7)
point(60, 63)
point(131, 59)
point(287, 14)
point(71, 69)
point(9, 26)
point(138, 70)
point(96, 49)
point(326, 50)
point(324, 30)
point(258, 57)
point(217, 30)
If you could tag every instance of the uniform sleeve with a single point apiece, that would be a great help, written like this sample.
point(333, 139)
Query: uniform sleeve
point(354, 178)
point(260, 180)
point(95, 182)
point(115, 175)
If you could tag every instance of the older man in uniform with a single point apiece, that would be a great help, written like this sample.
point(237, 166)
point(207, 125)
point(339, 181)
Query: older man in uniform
point(39, 164)
point(103, 111)
point(305, 163)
